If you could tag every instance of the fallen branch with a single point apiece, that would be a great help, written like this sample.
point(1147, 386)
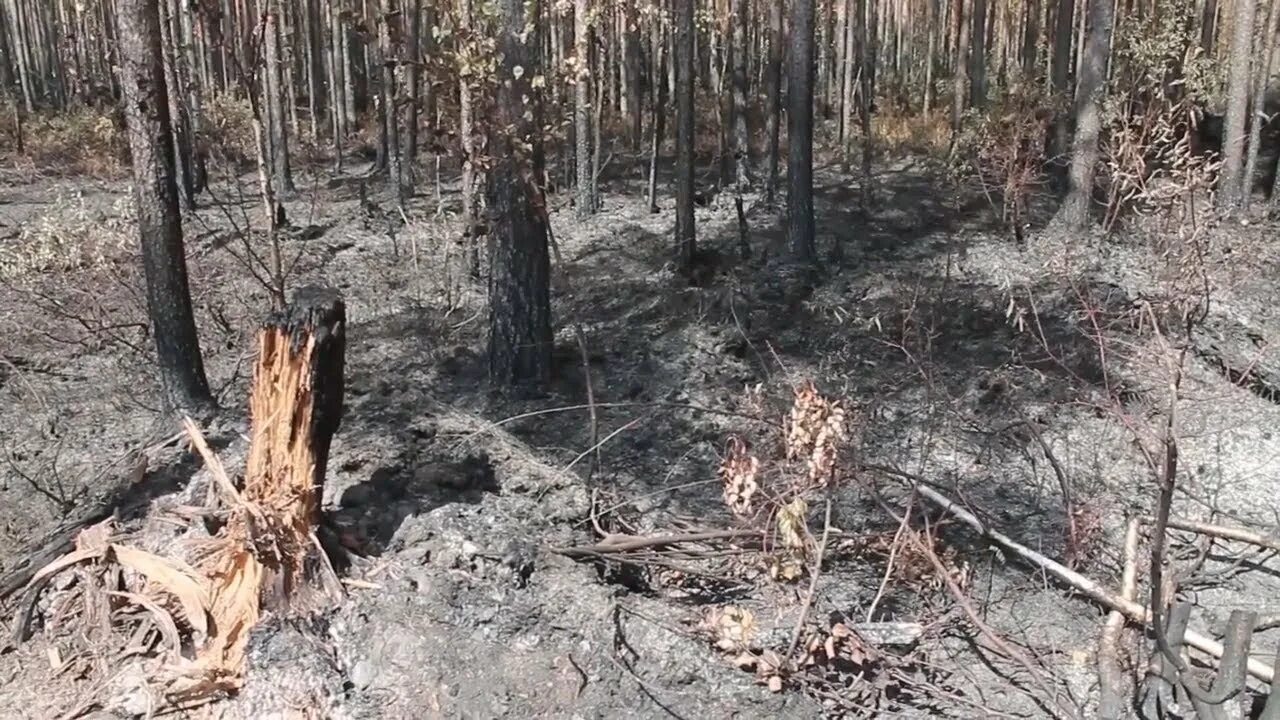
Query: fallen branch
point(1112, 702)
point(1221, 531)
point(619, 544)
point(1132, 610)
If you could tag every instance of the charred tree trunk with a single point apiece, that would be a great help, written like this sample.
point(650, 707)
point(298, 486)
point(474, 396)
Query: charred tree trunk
point(414, 80)
point(273, 88)
point(978, 58)
point(960, 81)
point(1061, 77)
point(1093, 84)
point(1262, 77)
point(296, 405)
point(739, 133)
point(466, 132)
point(773, 98)
point(584, 198)
point(146, 109)
point(686, 242)
point(800, 227)
point(520, 336)
point(658, 127)
point(631, 65)
point(1030, 40)
point(1232, 184)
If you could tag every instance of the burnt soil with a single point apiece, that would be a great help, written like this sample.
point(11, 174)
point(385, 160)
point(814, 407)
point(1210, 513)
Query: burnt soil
point(945, 338)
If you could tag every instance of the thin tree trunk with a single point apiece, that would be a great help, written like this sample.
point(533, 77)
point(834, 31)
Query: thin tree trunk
point(1209, 27)
point(773, 98)
point(658, 127)
point(1030, 40)
point(978, 83)
point(414, 81)
point(390, 92)
point(632, 90)
point(466, 130)
point(584, 198)
point(1232, 183)
point(960, 67)
point(931, 50)
point(1061, 76)
point(146, 111)
point(1092, 92)
point(800, 227)
point(279, 134)
point(850, 77)
point(740, 134)
point(1261, 78)
point(686, 241)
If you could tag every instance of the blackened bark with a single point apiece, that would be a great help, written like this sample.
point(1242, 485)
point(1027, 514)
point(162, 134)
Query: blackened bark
point(978, 58)
point(960, 80)
point(632, 63)
point(1061, 76)
point(1093, 83)
point(686, 242)
point(658, 127)
point(741, 140)
point(388, 51)
point(414, 81)
point(520, 338)
point(274, 90)
point(800, 228)
point(1030, 40)
point(146, 110)
point(773, 97)
point(584, 198)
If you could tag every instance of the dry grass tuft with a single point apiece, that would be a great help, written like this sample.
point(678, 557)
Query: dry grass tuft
point(70, 235)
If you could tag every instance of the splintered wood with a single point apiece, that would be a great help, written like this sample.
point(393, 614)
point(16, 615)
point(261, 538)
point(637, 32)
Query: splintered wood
point(267, 556)
point(295, 407)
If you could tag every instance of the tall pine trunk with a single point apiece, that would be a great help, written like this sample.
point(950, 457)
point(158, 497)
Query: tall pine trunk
point(273, 88)
point(584, 197)
point(1232, 184)
point(1092, 92)
point(1060, 75)
point(773, 98)
point(960, 66)
point(800, 78)
point(146, 111)
point(686, 242)
point(741, 144)
point(520, 337)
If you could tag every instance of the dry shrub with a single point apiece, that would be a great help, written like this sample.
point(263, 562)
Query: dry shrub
point(1151, 165)
point(898, 132)
point(76, 141)
point(773, 488)
point(228, 129)
point(71, 235)
point(1003, 153)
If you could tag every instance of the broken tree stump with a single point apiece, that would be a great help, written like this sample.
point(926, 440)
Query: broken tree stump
point(295, 409)
point(268, 555)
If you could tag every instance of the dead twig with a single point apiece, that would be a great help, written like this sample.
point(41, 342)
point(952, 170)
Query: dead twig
point(620, 544)
point(814, 574)
point(1224, 532)
point(1112, 703)
point(1091, 589)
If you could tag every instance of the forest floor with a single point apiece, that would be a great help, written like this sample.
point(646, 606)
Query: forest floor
point(984, 367)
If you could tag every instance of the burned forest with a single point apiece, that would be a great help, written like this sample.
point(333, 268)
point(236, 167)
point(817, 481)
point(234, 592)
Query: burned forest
point(369, 359)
